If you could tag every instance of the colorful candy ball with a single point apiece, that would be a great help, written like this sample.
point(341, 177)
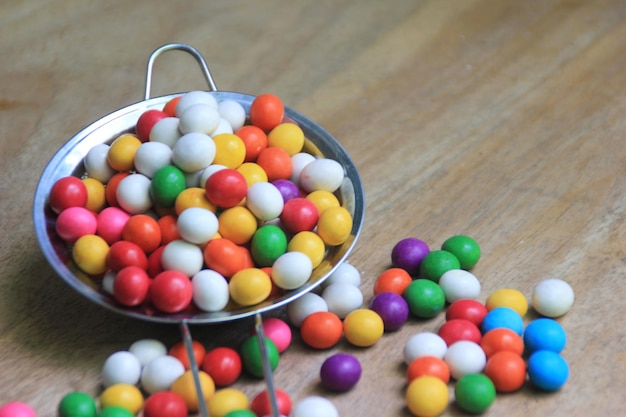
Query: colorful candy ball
point(474, 393)
point(547, 370)
point(408, 254)
point(340, 372)
point(392, 308)
point(17, 409)
point(552, 297)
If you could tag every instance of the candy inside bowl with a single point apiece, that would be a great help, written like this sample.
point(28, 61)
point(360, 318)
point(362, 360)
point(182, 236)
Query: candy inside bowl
point(69, 161)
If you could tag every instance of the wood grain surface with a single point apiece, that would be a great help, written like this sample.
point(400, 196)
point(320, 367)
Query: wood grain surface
point(502, 120)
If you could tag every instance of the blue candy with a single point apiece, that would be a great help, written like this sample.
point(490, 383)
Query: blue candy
point(544, 334)
point(503, 317)
point(547, 370)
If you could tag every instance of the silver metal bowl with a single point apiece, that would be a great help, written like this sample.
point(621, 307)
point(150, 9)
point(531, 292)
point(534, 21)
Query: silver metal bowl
point(69, 161)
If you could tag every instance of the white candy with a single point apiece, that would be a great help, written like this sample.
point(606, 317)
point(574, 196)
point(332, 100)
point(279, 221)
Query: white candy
point(193, 152)
point(182, 256)
point(553, 297)
point(192, 179)
point(146, 350)
point(121, 368)
point(457, 284)
point(160, 373)
point(314, 406)
point(321, 174)
point(210, 290)
point(299, 161)
point(223, 126)
point(342, 298)
point(195, 97)
point(200, 118)
point(152, 156)
point(302, 307)
point(96, 164)
point(291, 270)
point(166, 131)
point(465, 357)
point(133, 194)
point(345, 273)
point(197, 225)
point(108, 281)
point(233, 112)
point(424, 344)
point(264, 200)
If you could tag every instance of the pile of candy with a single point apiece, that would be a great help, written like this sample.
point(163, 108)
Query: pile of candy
point(202, 207)
point(485, 348)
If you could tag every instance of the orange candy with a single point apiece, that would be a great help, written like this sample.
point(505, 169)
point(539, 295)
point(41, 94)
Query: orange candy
point(507, 371)
point(226, 258)
point(392, 280)
point(169, 229)
point(254, 139)
point(267, 111)
point(428, 365)
point(170, 106)
point(110, 191)
point(321, 330)
point(502, 339)
point(276, 162)
point(144, 231)
point(179, 351)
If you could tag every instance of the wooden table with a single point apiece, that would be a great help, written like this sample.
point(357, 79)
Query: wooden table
point(501, 120)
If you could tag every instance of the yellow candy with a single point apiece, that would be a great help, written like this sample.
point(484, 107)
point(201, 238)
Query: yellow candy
point(237, 224)
point(121, 155)
point(226, 400)
point(310, 244)
point(334, 225)
point(508, 297)
point(125, 396)
point(230, 150)
point(427, 396)
point(96, 198)
point(363, 327)
point(185, 387)
point(323, 199)
point(250, 286)
point(193, 197)
point(288, 136)
point(252, 172)
point(90, 254)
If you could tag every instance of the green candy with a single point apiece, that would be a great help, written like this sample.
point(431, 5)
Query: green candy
point(77, 404)
point(114, 411)
point(240, 413)
point(465, 249)
point(268, 243)
point(425, 298)
point(474, 393)
point(436, 263)
point(252, 359)
point(166, 184)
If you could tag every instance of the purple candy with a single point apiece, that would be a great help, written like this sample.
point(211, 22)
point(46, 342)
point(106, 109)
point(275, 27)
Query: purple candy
point(392, 308)
point(288, 189)
point(340, 372)
point(408, 254)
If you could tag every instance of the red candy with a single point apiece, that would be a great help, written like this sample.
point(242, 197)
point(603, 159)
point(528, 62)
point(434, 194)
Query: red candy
point(459, 329)
point(467, 309)
point(131, 286)
point(68, 192)
point(226, 188)
point(146, 121)
point(171, 291)
point(223, 365)
point(260, 404)
point(299, 215)
point(165, 404)
point(123, 253)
